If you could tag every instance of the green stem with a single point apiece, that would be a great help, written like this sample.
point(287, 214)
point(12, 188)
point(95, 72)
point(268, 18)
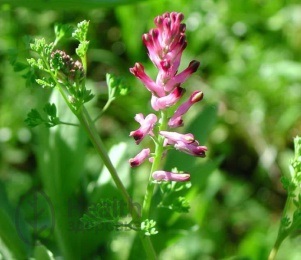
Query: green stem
point(66, 123)
point(89, 126)
point(283, 232)
point(156, 165)
point(275, 249)
point(110, 100)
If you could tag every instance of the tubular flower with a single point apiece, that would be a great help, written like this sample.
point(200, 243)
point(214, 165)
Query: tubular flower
point(174, 137)
point(146, 127)
point(176, 119)
point(167, 101)
point(165, 45)
point(139, 158)
point(170, 176)
point(191, 148)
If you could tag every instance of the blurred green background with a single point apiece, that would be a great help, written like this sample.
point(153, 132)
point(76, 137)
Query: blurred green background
point(250, 73)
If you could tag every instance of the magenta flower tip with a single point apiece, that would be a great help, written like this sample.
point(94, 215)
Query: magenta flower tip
point(196, 96)
point(193, 66)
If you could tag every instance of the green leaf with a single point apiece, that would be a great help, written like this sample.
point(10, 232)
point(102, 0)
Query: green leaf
point(82, 49)
point(87, 95)
point(34, 118)
point(116, 86)
point(30, 78)
point(81, 31)
point(285, 182)
point(50, 110)
point(46, 82)
point(101, 213)
point(20, 66)
point(36, 63)
point(42, 48)
point(62, 30)
point(173, 195)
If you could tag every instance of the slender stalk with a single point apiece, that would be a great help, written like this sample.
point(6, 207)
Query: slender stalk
point(283, 232)
point(156, 165)
point(89, 126)
point(110, 100)
point(67, 123)
point(275, 249)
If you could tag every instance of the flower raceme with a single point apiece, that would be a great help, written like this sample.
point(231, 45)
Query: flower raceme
point(165, 45)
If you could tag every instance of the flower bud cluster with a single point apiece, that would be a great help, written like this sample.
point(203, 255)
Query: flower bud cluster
point(165, 45)
point(69, 69)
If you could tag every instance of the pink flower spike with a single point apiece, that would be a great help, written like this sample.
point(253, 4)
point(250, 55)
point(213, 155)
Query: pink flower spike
point(174, 137)
point(167, 101)
point(196, 96)
point(191, 148)
point(146, 127)
point(139, 158)
point(138, 71)
point(167, 41)
point(170, 176)
point(182, 77)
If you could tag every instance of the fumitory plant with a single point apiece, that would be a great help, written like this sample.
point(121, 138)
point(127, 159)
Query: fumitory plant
point(165, 45)
point(55, 69)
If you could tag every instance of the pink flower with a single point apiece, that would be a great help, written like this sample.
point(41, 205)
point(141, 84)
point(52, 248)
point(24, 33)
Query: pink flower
point(139, 158)
point(176, 119)
point(167, 41)
point(167, 101)
point(174, 137)
point(165, 44)
point(175, 122)
point(138, 71)
point(146, 127)
point(191, 148)
point(170, 176)
point(182, 77)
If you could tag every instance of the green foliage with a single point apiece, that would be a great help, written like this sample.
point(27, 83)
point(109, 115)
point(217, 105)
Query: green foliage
point(171, 196)
point(81, 31)
point(34, 118)
point(46, 82)
point(148, 226)
point(117, 86)
point(62, 31)
point(100, 214)
point(80, 34)
point(42, 48)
